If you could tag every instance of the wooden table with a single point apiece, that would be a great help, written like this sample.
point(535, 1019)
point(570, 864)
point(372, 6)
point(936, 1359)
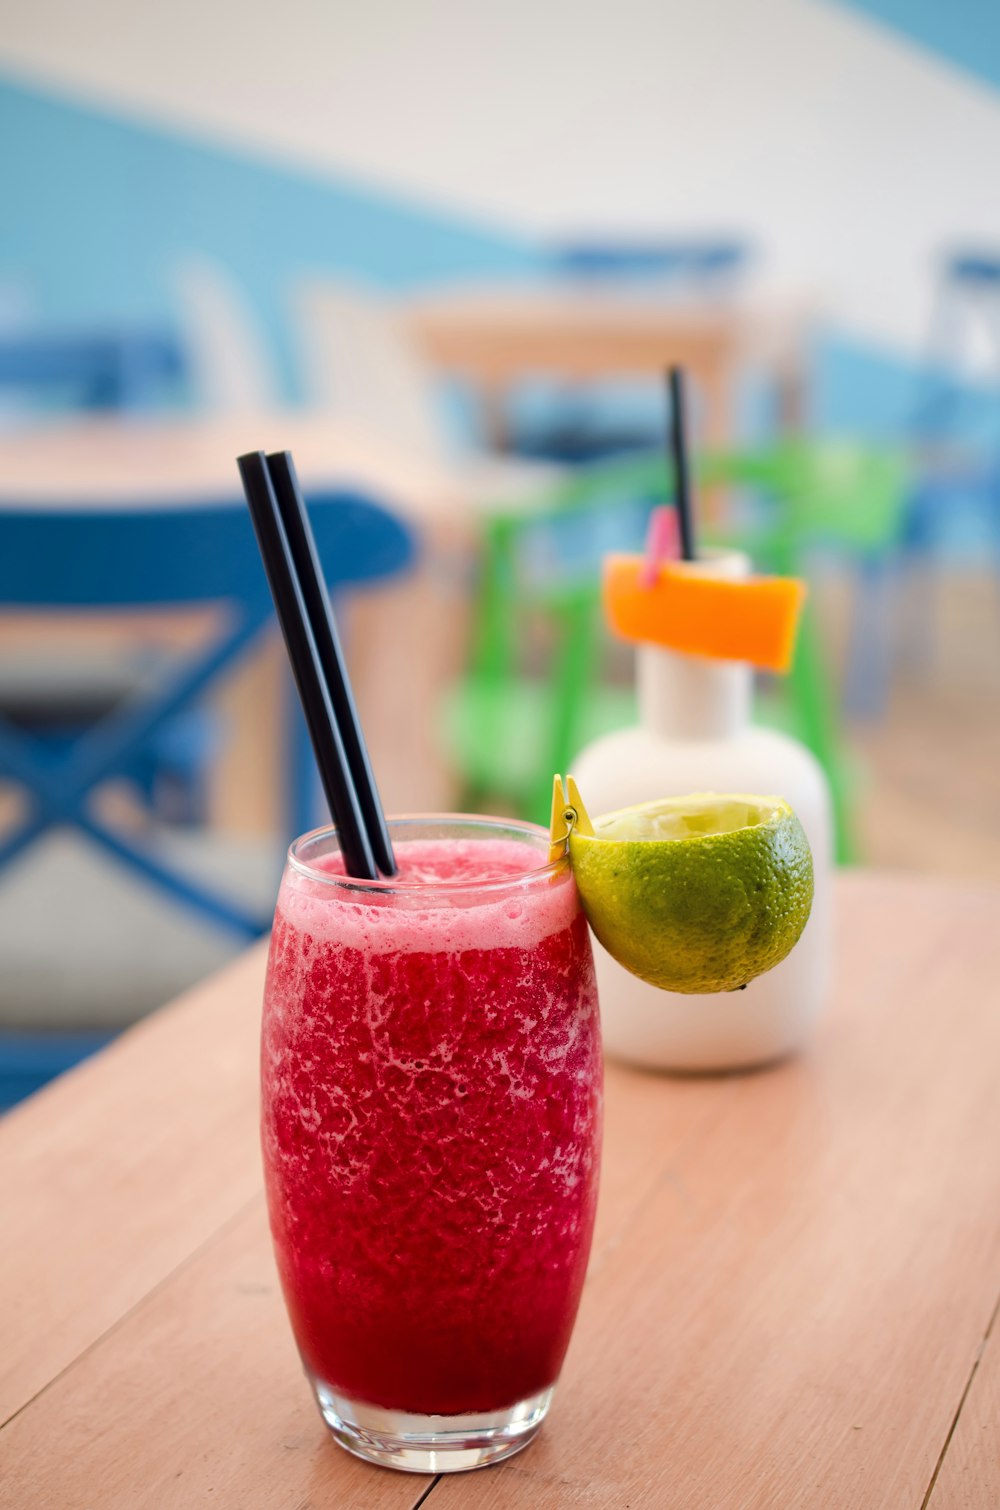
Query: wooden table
point(789, 1304)
point(115, 459)
point(497, 337)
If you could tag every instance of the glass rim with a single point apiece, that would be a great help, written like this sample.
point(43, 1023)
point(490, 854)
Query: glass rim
point(385, 885)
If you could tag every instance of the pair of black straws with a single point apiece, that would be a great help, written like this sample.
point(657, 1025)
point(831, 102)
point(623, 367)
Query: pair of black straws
point(295, 577)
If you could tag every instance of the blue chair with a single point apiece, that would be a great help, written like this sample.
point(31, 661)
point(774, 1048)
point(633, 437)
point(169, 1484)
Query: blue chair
point(130, 559)
point(954, 500)
point(30, 1060)
point(683, 259)
point(91, 370)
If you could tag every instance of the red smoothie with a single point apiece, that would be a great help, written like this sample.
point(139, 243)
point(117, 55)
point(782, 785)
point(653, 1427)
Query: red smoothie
point(431, 1124)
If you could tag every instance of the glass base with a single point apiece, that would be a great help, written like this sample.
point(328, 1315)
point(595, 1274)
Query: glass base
point(429, 1444)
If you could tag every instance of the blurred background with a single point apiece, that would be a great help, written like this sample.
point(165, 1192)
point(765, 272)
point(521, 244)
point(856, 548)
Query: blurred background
point(445, 254)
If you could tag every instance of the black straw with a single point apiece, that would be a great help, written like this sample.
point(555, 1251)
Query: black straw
point(305, 557)
point(331, 759)
point(679, 458)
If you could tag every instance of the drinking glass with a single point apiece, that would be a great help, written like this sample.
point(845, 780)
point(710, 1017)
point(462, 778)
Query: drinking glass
point(431, 1078)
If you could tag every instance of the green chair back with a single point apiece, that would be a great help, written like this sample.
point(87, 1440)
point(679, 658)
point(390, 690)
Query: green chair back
point(534, 692)
point(817, 494)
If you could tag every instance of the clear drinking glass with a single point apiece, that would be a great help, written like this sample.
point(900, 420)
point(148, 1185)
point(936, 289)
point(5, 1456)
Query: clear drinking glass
point(431, 1128)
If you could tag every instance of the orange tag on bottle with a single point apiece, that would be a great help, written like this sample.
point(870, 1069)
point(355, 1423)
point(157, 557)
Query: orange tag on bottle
point(754, 620)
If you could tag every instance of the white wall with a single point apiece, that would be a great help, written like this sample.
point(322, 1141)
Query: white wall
point(847, 153)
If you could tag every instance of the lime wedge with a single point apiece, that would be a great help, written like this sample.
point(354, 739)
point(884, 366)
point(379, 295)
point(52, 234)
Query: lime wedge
point(694, 894)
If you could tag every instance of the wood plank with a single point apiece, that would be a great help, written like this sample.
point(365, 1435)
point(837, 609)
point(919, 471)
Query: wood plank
point(792, 1319)
point(969, 1476)
point(197, 1398)
point(114, 1174)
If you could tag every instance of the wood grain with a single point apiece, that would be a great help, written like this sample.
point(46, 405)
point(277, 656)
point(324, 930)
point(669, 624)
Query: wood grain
point(116, 1173)
point(197, 1398)
point(969, 1477)
point(793, 1316)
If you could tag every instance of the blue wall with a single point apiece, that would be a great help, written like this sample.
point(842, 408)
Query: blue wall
point(95, 210)
point(966, 32)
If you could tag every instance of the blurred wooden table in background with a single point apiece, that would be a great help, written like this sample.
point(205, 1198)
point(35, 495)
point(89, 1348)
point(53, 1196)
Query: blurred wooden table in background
point(790, 1303)
point(495, 338)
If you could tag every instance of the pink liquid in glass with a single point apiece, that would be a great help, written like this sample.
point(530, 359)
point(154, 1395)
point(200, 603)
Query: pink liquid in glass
point(431, 1127)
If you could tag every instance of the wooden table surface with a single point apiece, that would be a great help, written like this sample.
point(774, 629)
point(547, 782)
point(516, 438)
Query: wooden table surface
point(790, 1302)
point(496, 337)
point(152, 460)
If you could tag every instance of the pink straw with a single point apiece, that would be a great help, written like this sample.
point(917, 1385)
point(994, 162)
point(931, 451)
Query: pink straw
point(663, 543)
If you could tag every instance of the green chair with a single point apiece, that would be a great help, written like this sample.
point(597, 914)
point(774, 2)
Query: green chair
point(535, 691)
point(835, 496)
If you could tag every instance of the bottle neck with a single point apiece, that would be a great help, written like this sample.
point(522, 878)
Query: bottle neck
point(690, 696)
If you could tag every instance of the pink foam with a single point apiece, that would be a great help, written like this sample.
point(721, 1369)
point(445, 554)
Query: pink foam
point(515, 914)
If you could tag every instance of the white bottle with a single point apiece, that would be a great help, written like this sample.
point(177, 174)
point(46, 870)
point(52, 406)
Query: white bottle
point(695, 735)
